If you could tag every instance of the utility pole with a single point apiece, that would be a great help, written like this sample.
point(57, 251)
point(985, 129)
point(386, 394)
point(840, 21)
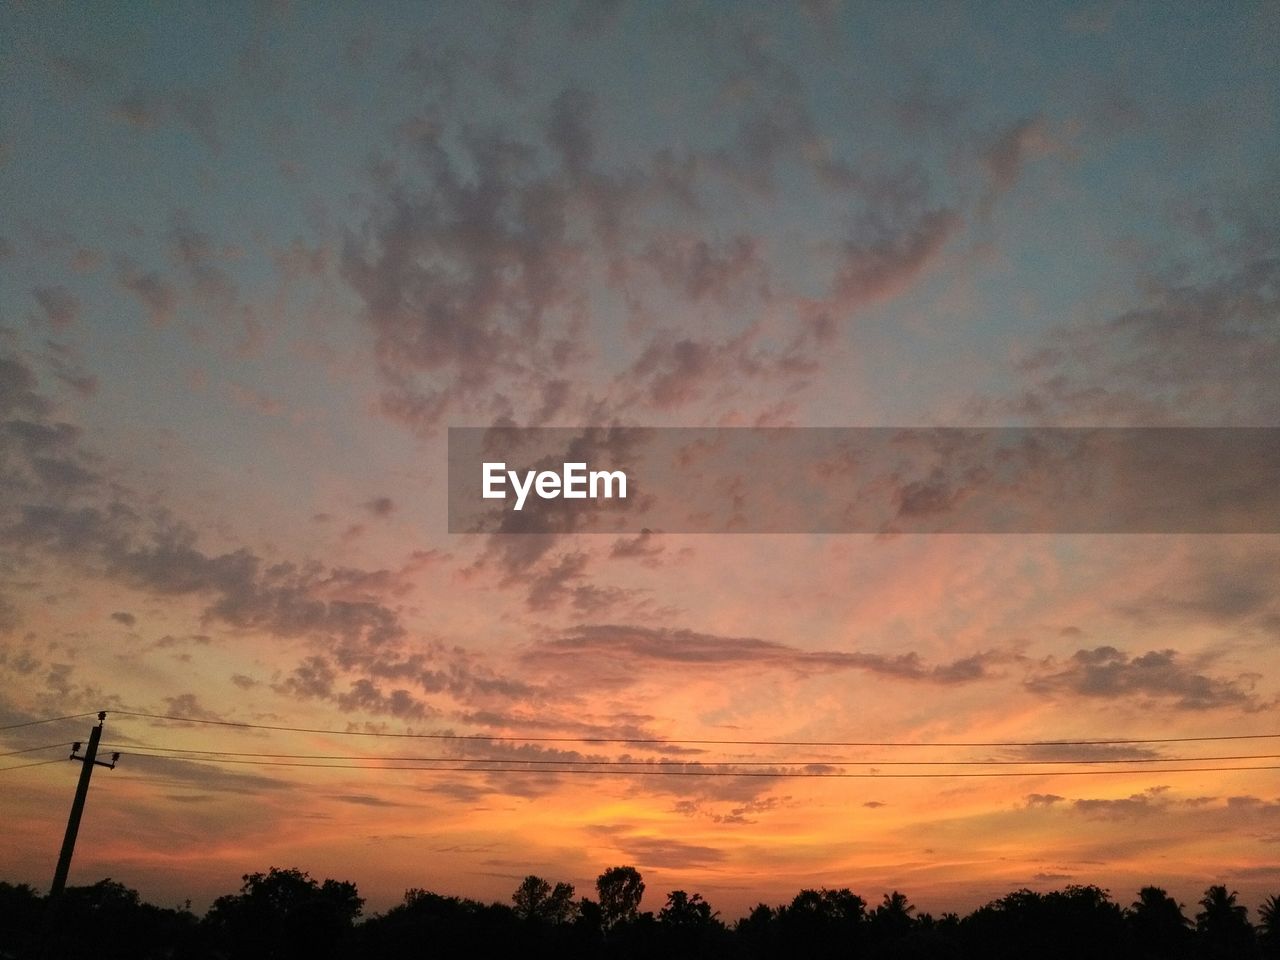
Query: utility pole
point(89, 761)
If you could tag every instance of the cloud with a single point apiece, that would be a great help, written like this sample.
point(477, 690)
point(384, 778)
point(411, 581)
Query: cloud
point(692, 265)
point(64, 363)
point(678, 647)
point(1083, 751)
point(61, 307)
point(205, 777)
point(1043, 799)
point(156, 295)
point(1009, 150)
point(894, 237)
point(195, 251)
point(364, 800)
point(188, 705)
point(459, 274)
point(1138, 806)
point(380, 506)
point(128, 619)
point(1194, 349)
point(18, 394)
point(145, 110)
point(1108, 673)
point(644, 546)
point(666, 853)
point(59, 508)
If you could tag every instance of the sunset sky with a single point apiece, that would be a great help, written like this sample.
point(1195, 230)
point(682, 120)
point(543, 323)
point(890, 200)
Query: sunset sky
point(256, 258)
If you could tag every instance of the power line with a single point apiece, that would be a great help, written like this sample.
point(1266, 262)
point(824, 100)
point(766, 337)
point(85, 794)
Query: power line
point(146, 750)
point(675, 741)
point(47, 746)
point(32, 723)
point(772, 774)
point(37, 763)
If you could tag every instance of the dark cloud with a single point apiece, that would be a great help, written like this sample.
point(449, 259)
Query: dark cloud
point(188, 705)
point(156, 294)
point(1108, 673)
point(366, 696)
point(364, 800)
point(459, 272)
point(18, 390)
point(204, 777)
point(622, 644)
point(1196, 348)
point(1010, 149)
point(1149, 803)
point(662, 853)
point(895, 235)
point(569, 130)
point(146, 110)
point(64, 363)
point(1082, 751)
point(195, 251)
point(1043, 799)
point(58, 507)
point(128, 619)
point(697, 269)
point(1223, 587)
point(643, 546)
point(60, 306)
point(380, 506)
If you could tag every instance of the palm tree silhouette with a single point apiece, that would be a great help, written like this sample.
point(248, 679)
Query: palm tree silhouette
point(1223, 925)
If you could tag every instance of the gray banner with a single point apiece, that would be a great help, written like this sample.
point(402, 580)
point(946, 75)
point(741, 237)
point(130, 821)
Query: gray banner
point(864, 480)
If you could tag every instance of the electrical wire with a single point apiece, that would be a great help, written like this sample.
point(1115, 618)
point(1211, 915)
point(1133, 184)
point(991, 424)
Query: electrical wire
point(32, 723)
point(698, 742)
point(37, 763)
point(770, 774)
point(144, 749)
point(47, 746)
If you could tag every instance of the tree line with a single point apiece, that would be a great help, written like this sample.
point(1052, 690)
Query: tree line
point(285, 914)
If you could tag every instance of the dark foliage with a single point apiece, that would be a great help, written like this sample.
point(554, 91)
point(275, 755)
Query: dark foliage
point(287, 915)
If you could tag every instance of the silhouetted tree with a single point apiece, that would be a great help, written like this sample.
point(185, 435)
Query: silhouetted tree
point(1157, 927)
point(892, 919)
point(1080, 921)
point(683, 910)
point(426, 923)
point(620, 890)
point(286, 914)
point(1269, 927)
point(21, 909)
point(822, 923)
point(108, 920)
point(1224, 928)
point(757, 932)
point(537, 900)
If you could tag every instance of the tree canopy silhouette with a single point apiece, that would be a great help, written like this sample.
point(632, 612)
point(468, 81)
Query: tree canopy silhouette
point(620, 890)
point(285, 914)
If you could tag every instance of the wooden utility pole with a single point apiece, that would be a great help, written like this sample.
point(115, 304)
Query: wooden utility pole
point(89, 761)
